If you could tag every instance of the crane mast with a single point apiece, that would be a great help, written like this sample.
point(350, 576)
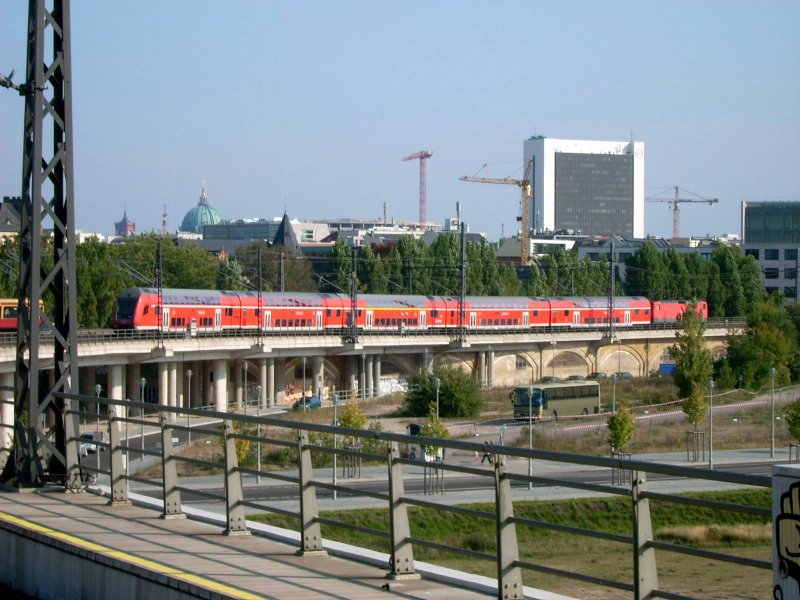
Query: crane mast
point(422, 155)
point(525, 187)
point(676, 208)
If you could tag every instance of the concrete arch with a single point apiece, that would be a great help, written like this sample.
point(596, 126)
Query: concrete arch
point(622, 357)
point(566, 362)
point(331, 373)
point(514, 368)
point(404, 365)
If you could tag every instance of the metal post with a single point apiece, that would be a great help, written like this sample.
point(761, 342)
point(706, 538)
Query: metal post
point(530, 438)
point(509, 575)
point(142, 383)
point(304, 384)
point(259, 389)
point(189, 402)
point(645, 580)
point(244, 395)
point(335, 442)
point(437, 382)
point(772, 373)
point(711, 424)
point(402, 553)
point(311, 534)
point(234, 495)
point(363, 378)
point(614, 394)
point(97, 390)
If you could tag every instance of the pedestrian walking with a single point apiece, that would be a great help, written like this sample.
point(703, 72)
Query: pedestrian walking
point(486, 454)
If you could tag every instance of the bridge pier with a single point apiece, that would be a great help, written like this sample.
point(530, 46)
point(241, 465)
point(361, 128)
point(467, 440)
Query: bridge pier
point(376, 375)
point(219, 377)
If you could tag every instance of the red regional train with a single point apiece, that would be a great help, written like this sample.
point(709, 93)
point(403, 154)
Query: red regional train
point(9, 312)
point(209, 310)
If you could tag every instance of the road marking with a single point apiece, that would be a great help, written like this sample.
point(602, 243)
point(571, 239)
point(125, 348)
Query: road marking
point(131, 559)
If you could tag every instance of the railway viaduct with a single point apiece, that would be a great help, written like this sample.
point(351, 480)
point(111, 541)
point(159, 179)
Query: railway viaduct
point(226, 371)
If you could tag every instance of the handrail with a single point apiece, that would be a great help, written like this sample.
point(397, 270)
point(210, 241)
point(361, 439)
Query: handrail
point(400, 542)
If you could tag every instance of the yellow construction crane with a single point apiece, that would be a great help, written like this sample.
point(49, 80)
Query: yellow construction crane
point(676, 208)
point(525, 186)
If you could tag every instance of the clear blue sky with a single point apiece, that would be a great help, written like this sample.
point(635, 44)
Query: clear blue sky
point(312, 105)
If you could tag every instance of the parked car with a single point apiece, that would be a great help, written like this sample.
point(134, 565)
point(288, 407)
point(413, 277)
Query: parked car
point(598, 375)
point(550, 379)
point(623, 375)
point(576, 378)
point(309, 402)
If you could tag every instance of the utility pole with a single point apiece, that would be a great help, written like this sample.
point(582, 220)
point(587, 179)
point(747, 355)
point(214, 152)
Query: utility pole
point(462, 329)
point(41, 429)
point(354, 297)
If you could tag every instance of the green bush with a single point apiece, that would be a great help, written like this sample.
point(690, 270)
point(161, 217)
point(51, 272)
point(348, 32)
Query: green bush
point(459, 394)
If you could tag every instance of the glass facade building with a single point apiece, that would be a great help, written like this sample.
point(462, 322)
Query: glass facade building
point(594, 192)
point(771, 235)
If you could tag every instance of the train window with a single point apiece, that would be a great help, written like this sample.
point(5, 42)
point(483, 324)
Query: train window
point(394, 321)
point(328, 313)
point(434, 313)
point(146, 309)
point(566, 313)
point(158, 310)
point(536, 313)
point(497, 321)
point(647, 311)
point(9, 312)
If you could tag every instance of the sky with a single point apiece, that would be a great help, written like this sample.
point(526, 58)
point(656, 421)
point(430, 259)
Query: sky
point(310, 106)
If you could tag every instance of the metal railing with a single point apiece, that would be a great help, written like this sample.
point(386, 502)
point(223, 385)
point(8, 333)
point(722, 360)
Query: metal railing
point(309, 440)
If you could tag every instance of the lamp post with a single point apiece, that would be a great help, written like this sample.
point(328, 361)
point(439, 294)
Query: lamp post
point(614, 393)
point(335, 443)
point(436, 383)
point(530, 439)
point(97, 390)
point(244, 394)
point(258, 434)
point(553, 360)
point(304, 384)
point(142, 383)
point(710, 423)
point(772, 373)
point(362, 381)
point(189, 402)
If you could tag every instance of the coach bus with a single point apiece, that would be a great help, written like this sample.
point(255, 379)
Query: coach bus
point(556, 399)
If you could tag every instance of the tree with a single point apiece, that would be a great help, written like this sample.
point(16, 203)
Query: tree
point(621, 426)
point(646, 273)
point(792, 416)
point(693, 363)
point(695, 406)
point(459, 394)
point(434, 428)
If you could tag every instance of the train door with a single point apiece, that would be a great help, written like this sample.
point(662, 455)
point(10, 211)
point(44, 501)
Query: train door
point(217, 319)
point(165, 318)
point(627, 317)
point(319, 320)
point(525, 319)
point(473, 320)
point(267, 319)
point(576, 317)
point(369, 320)
point(423, 319)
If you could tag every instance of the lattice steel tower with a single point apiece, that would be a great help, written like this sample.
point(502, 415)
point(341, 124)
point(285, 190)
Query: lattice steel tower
point(40, 453)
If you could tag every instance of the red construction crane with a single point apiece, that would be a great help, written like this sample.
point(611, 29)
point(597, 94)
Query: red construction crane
point(676, 208)
point(422, 155)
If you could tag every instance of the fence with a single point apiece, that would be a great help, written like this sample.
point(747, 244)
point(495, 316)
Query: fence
point(306, 440)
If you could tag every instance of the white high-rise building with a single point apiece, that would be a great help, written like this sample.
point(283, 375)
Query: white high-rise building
point(593, 187)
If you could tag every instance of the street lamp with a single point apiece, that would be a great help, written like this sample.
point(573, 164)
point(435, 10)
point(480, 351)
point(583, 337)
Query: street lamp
point(530, 439)
point(189, 402)
point(710, 423)
point(142, 383)
point(335, 443)
point(437, 382)
point(362, 381)
point(553, 359)
point(258, 434)
point(772, 373)
point(244, 368)
point(614, 393)
point(304, 384)
point(97, 390)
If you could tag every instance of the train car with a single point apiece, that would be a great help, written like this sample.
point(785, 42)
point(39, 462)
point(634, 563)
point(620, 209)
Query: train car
point(668, 311)
point(384, 312)
point(506, 312)
point(9, 313)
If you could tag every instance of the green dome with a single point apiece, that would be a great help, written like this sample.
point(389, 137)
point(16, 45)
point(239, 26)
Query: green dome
point(201, 215)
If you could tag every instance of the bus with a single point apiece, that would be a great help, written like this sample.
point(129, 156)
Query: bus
point(556, 399)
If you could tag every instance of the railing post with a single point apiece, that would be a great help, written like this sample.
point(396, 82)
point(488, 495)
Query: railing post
point(402, 553)
point(119, 485)
point(644, 558)
point(233, 486)
point(509, 575)
point(310, 532)
point(172, 497)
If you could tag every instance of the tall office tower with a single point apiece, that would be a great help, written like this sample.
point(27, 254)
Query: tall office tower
point(593, 187)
